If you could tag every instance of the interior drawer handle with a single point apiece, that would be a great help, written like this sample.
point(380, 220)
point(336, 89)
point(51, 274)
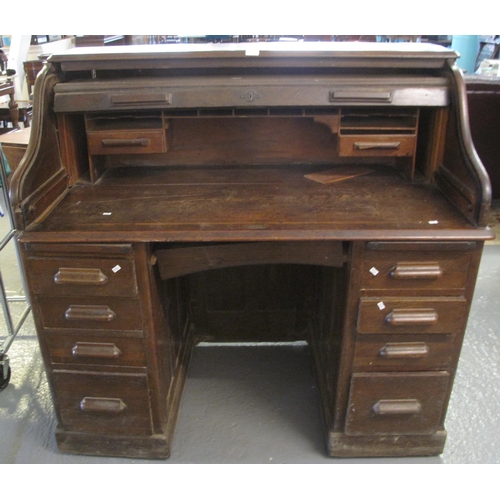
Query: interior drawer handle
point(376, 145)
point(80, 276)
point(102, 405)
point(121, 143)
point(92, 313)
point(397, 407)
point(411, 317)
point(95, 350)
point(432, 270)
point(404, 350)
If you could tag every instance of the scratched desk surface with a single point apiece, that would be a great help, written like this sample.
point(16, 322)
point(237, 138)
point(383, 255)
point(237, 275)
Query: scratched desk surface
point(258, 203)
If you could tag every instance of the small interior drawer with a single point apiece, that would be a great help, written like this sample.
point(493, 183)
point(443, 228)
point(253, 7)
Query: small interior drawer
point(136, 141)
point(404, 353)
point(81, 276)
point(90, 313)
point(376, 145)
point(86, 349)
point(103, 403)
point(412, 315)
point(384, 403)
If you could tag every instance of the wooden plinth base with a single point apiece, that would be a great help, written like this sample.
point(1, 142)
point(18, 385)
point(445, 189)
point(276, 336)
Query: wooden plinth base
point(153, 447)
point(341, 445)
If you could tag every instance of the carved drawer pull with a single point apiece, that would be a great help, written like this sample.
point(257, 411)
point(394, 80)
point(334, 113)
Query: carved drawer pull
point(102, 405)
point(92, 313)
point(95, 350)
point(404, 350)
point(412, 317)
point(80, 276)
point(120, 143)
point(432, 270)
point(397, 407)
point(376, 145)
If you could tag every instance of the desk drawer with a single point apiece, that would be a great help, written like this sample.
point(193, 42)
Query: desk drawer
point(412, 315)
point(90, 313)
point(405, 353)
point(103, 403)
point(415, 270)
point(77, 276)
point(128, 142)
point(103, 350)
point(376, 145)
point(410, 403)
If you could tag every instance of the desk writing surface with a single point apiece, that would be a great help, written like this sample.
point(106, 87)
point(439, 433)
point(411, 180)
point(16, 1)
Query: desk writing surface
point(261, 203)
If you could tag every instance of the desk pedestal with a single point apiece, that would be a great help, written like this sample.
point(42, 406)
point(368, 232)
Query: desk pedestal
point(385, 321)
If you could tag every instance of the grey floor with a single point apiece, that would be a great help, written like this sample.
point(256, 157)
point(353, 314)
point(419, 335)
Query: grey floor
point(259, 405)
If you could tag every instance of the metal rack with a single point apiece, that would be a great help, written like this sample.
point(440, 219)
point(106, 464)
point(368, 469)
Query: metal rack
point(12, 327)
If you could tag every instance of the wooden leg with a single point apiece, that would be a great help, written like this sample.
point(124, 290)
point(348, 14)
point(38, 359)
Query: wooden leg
point(14, 112)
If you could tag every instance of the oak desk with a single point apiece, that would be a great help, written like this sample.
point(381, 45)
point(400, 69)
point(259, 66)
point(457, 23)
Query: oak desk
point(326, 192)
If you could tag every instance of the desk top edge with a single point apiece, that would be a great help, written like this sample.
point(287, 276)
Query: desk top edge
point(268, 49)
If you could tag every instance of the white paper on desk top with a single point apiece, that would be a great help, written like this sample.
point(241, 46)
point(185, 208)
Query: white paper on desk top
point(252, 52)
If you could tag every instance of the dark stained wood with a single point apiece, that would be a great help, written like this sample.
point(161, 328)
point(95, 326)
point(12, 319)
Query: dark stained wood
point(408, 409)
point(31, 70)
point(484, 108)
point(265, 303)
point(464, 177)
point(388, 315)
point(343, 445)
point(40, 178)
point(175, 262)
point(166, 198)
point(393, 271)
point(134, 417)
point(403, 353)
point(250, 203)
point(74, 154)
point(103, 313)
point(77, 276)
point(88, 349)
point(220, 95)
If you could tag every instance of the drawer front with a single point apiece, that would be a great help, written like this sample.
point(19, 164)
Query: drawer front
point(82, 349)
point(126, 142)
point(376, 145)
point(406, 353)
point(385, 403)
point(82, 276)
point(103, 403)
point(90, 313)
point(412, 315)
point(415, 270)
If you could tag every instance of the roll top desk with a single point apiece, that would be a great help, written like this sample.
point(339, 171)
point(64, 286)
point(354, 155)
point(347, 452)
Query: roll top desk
point(324, 192)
